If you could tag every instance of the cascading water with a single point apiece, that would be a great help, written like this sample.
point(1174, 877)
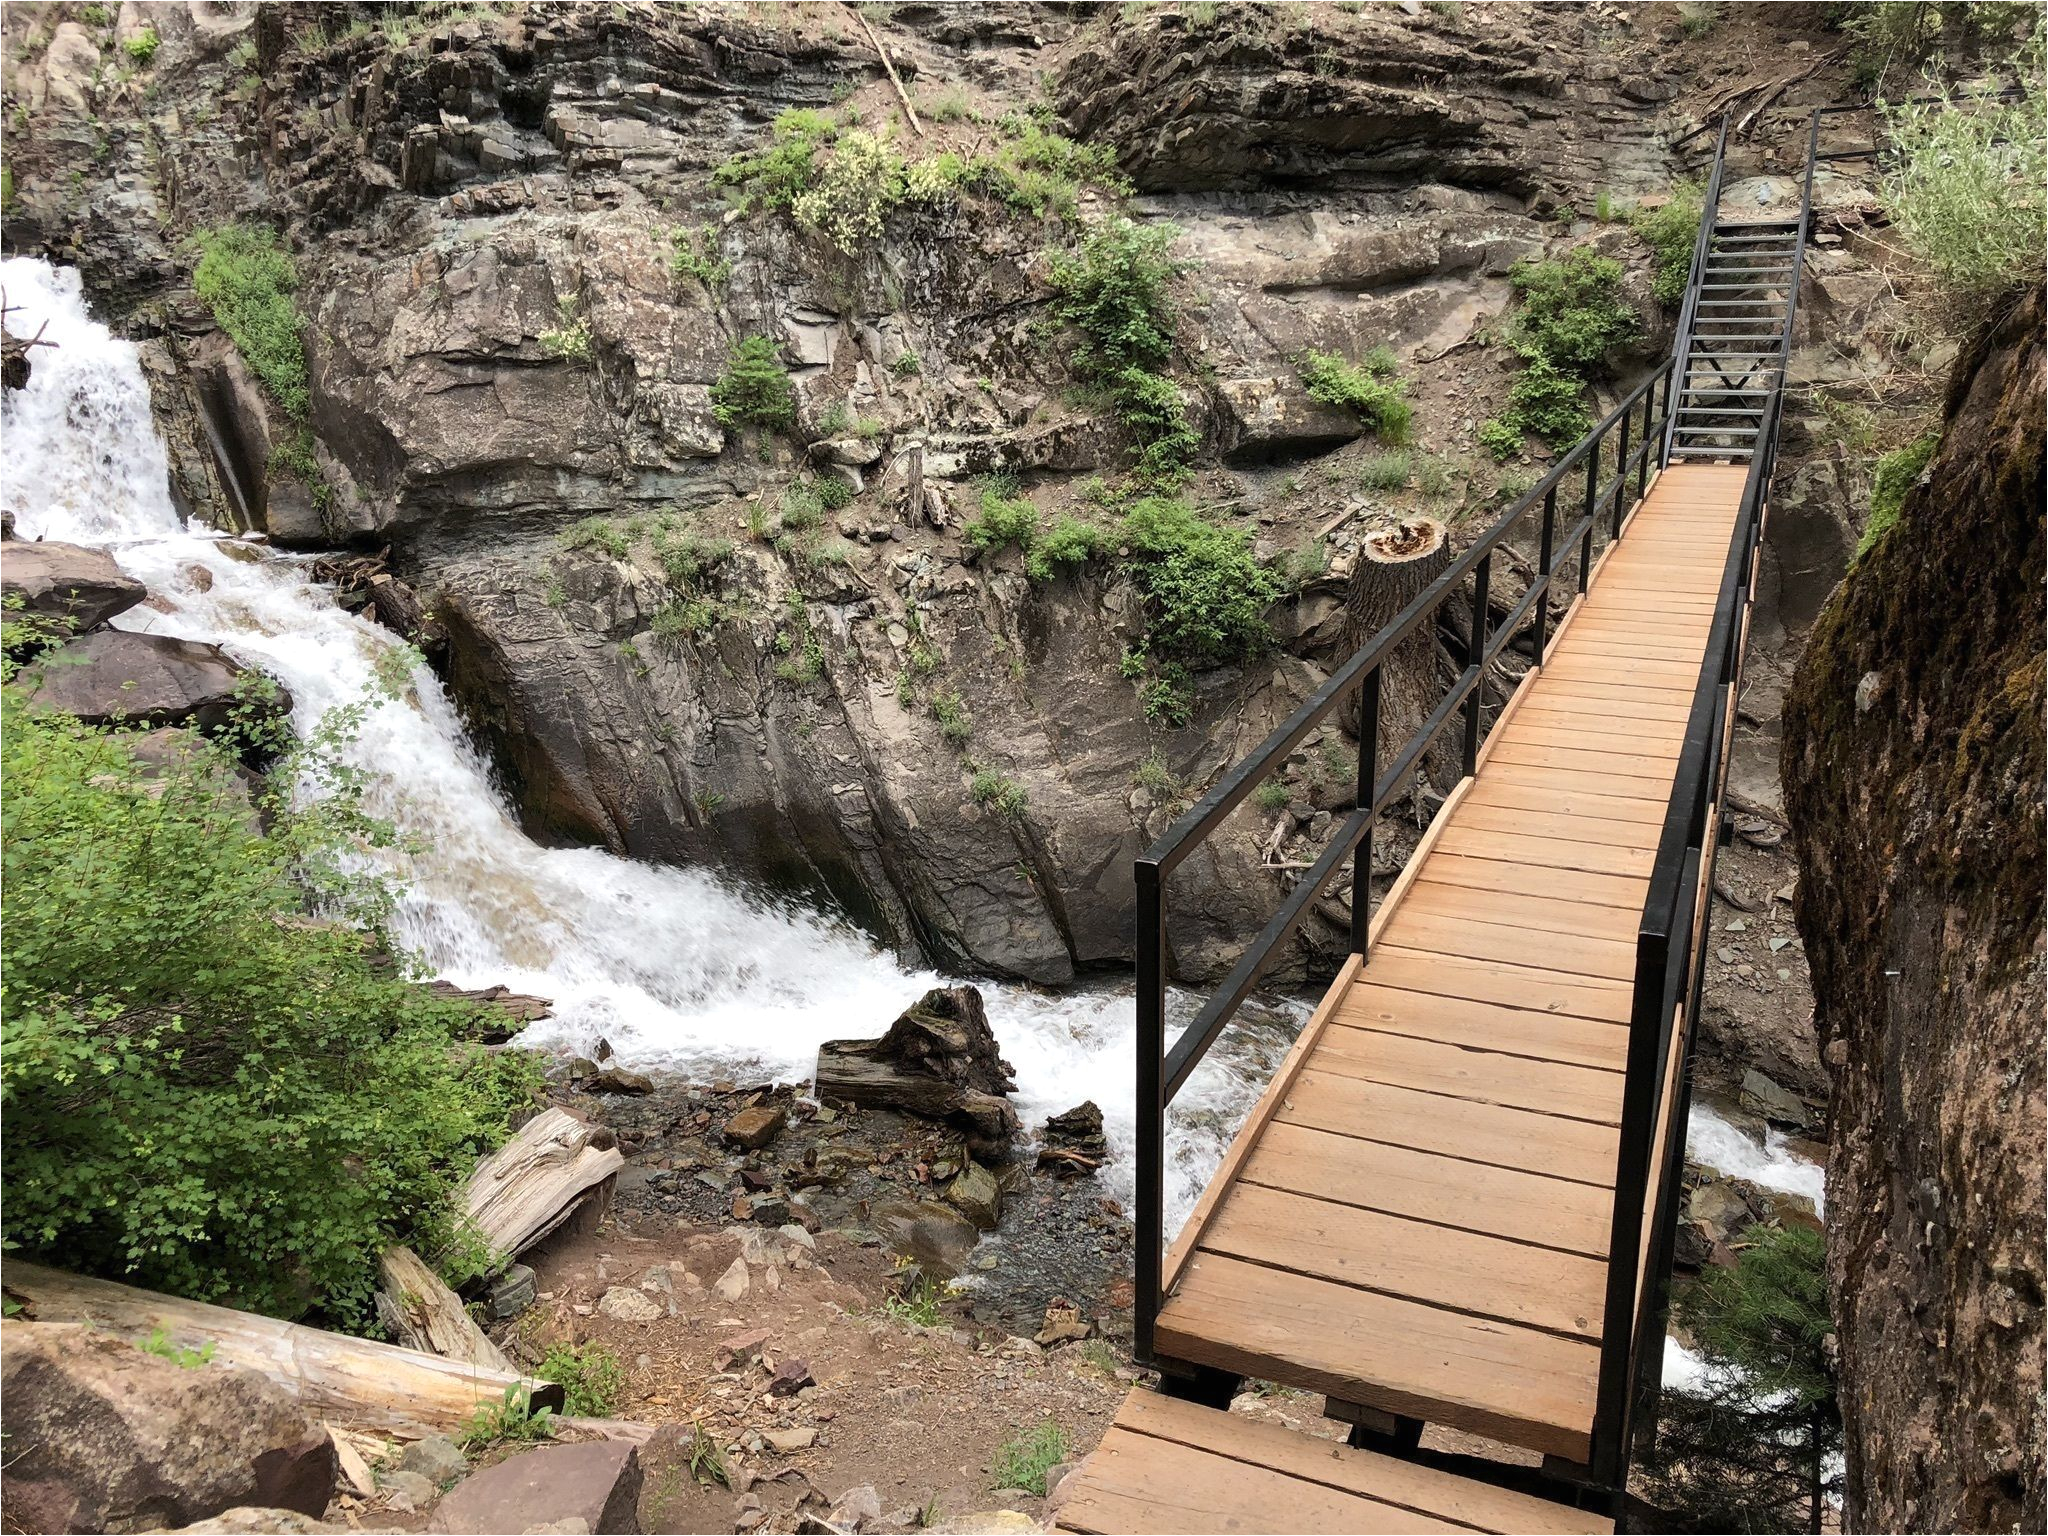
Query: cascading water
point(676, 968)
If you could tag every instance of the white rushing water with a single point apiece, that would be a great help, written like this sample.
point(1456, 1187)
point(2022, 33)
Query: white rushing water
point(676, 968)
point(1712, 1141)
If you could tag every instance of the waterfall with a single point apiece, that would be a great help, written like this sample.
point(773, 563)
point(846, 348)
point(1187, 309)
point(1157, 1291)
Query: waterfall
point(676, 968)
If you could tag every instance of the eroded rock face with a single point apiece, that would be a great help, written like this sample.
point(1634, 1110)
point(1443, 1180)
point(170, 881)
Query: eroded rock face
point(1914, 778)
point(102, 1436)
point(67, 587)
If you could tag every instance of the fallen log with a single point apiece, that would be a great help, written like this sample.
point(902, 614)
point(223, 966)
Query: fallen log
point(346, 1380)
point(532, 1184)
point(421, 1312)
point(939, 1061)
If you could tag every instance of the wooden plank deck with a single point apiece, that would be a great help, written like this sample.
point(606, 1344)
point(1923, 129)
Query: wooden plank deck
point(1417, 1219)
point(1170, 1466)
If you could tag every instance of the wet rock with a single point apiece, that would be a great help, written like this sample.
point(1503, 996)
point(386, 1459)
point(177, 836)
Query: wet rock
point(102, 1436)
point(623, 1304)
point(66, 587)
point(618, 1080)
point(1073, 1143)
point(1776, 1103)
point(938, 1237)
point(113, 675)
point(977, 1195)
point(754, 1128)
point(597, 1483)
point(435, 1459)
point(939, 1060)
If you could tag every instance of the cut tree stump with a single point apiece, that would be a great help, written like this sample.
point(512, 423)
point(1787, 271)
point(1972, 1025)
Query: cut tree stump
point(1395, 564)
point(532, 1184)
point(421, 1312)
point(346, 1380)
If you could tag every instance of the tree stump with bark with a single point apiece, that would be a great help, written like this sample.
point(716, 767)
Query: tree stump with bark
point(1396, 563)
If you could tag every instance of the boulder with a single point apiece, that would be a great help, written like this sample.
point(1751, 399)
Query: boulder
point(1775, 1102)
point(939, 1060)
point(977, 1195)
point(112, 675)
point(597, 1482)
point(103, 1436)
point(623, 1304)
point(512, 1293)
point(754, 1128)
point(436, 1459)
point(937, 1236)
point(246, 1520)
point(67, 587)
point(1278, 418)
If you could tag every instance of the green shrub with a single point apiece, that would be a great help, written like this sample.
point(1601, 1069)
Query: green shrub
point(205, 1093)
point(995, 792)
point(693, 616)
point(1893, 39)
point(1206, 592)
point(1040, 171)
point(754, 390)
point(1155, 777)
point(954, 725)
point(1433, 476)
point(1386, 471)
point(1966, 192)
point(777, 176)
point(597, 533)
point(1169, 698)
point(590, 1376)
point(1698, 17)
point(1153, 411)
point(1896, 474)
point(142, 47)
point(947, 107)
point(696, 255)
point(571, 338)
point(1005, 519)
point(1114, 294)
point(246, 279)
point(1500, 437)
point(1070, 541)
point(1549, 402)
point(1273, 795)
point(908, 365)
point(1371, 389)
point(852, 192)
point(512, 1419)
point(1023, 1460)
point(1571, 312)
point(686, 559)
point(1671, 232)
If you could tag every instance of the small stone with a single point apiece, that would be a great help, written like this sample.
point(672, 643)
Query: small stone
point(857, 1508)
point(1778, 945)
point(755, 1128)
point(734, 1283)
point(791, 1376)
point(622, 1304)
point(788, 1442)
point(511, 1293)
point(408, 1491)
point(1736, 925)
point(1725, 955)
point(619, 1080)
point(770, 1210)
point(435, 1459)
point(977, 1196)
point(1063, 1321)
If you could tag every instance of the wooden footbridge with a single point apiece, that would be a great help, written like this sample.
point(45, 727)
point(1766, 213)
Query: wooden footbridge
point(1455, 1203)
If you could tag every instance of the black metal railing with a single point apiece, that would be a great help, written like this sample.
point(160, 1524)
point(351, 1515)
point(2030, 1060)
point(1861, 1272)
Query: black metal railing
point(1681, 346)
point(1634, 428)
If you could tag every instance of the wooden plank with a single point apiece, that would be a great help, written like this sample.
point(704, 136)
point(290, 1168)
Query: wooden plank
point(1626, 648)
point(1596, 760)
point(1527, 908)
point(1547, 729)
point(1476, 939)
point(1514, 1384)
point(1375, 1176)
point(1142, 1485)
point(1610, 711)
point(1479, 1505)
point(1431, 1122)
point(1570, 885)
point(1612, 792)
point(1485, 1026)
point(1511, 986)
point(1470, 1072)
point(1574, 718)
point(1466, 1272)
point(1593, 675)
point(1525, 839)
point(1515, 795)
point(1248, 1133)
point(1681, 673)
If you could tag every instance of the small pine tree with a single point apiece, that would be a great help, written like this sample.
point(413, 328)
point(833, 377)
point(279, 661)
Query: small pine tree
point(1753, 1444)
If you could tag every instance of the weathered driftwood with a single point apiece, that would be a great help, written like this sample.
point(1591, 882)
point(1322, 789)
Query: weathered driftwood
point(343, 1379)
point(939, 1060)
point(422, 1313)
point(532, 1184)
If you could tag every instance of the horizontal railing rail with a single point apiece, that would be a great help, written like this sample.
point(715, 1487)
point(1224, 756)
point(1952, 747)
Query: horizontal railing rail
point(1603, 490)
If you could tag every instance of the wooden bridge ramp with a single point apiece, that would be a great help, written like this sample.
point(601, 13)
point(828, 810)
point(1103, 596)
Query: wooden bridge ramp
point(1415, 1218)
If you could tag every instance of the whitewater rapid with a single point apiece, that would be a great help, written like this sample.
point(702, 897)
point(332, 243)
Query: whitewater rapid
point(678, 969)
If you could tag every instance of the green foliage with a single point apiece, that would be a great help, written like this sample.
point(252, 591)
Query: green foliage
point(1966, 190)
point(954, 725)
point(1005, 520)
point(696, 255)
point(205, 1092)
point(908, 365)
point(1894, 39)
point(96, 15)
point(1168, 698)
point(1114, 293)
point(1671, 232)
point(599, 533)
point(1386, 471)
point(1572, 313)
point(687, 558)
point(1500, 437)
point(1069, 541)
point(754, 390)
point(514, 1418)
point(142, 47)
point(160, 1343)
point(1896, 474)
point(777, 176)
point(1024, 1458)
point(693, 616)
point(707, 1462)
point(590, 1376)
point(1371, 388)
point(1041, 172)
point(997, 792)
point(1273, 795)
point(852, 191)
point(1749, 1446)
point(247, 279)
point(1154, 413)
point(1153, 775)
point(1206, 592)
point(947, 107)
point(1698, 17)
point(1433, 476)
point(917, 1304)
point(832, 492)
point(571, 338)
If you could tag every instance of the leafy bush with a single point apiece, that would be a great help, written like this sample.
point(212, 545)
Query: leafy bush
point(206, 1093)
point(1671, 232)
point(142, 46)
point(1894, 38)
point(1023, 1460)
point(1273, 795)
point(246, 279)
point(570, 338)
point(513, 1418)
point(908, 365)
point(1154, 412)
point(1966, 192)
point(1370, 388)
point(1896, 474)
point(590, 1376)
point(1114, 292)
point(1040, 171)
point(1169, 698)
point(954, 725)
point(777, 176)
point(1206, 591)
point(1005, 520)
point(1572, 313)
point(1386, 471)
point(995, 792)
point(1070, 541)
point(597, 533)
point(696, 255)
point(754, 390)
point(860, 180)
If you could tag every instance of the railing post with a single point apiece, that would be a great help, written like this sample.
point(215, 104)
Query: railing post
point(1476, 657)
point(1368, 779)
point(1151, 1108)
point(1592, 492)
point(1649, 410)
point(1621, 470)
point(1543, 562)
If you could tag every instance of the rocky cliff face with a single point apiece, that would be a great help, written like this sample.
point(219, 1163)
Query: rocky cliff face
point(1913, 766)
point(464, 196)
